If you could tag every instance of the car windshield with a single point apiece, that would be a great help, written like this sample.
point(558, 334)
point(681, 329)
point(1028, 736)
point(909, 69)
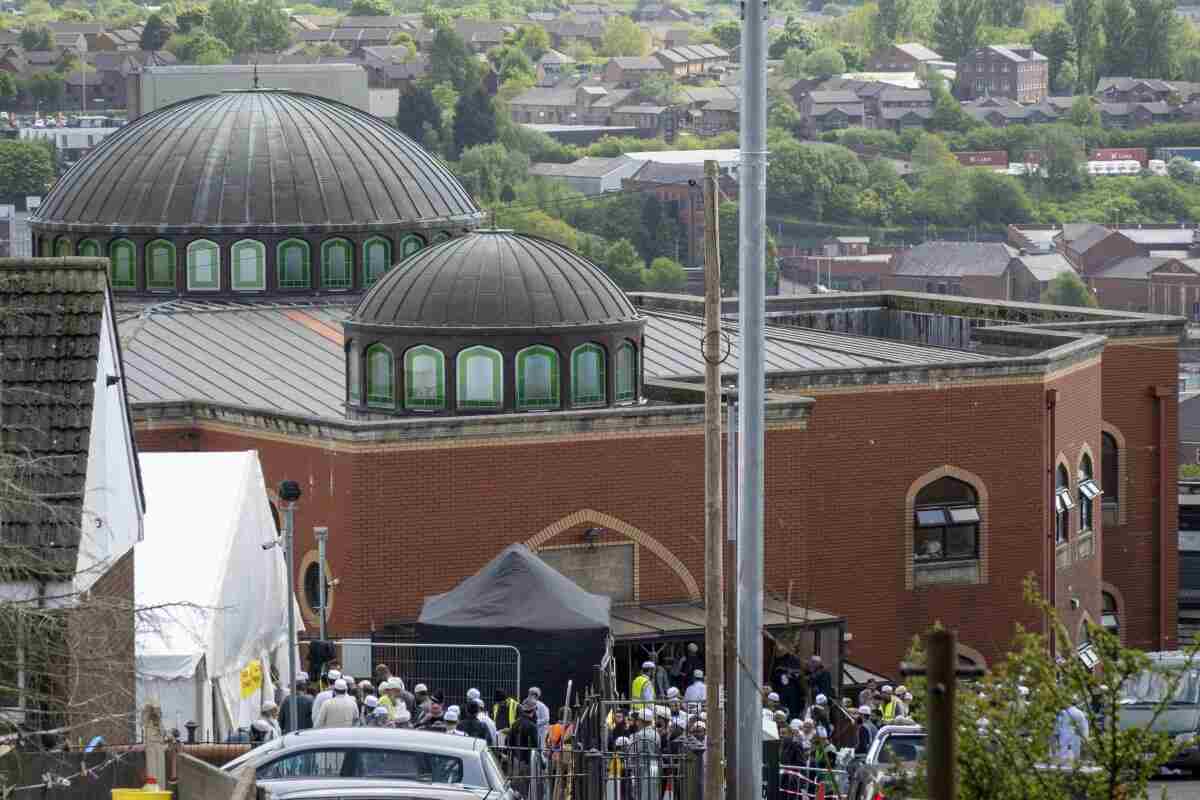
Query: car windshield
point(1154, 686)
point(902, 749)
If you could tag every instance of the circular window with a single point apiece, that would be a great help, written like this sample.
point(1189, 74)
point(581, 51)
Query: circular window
point(309, 588)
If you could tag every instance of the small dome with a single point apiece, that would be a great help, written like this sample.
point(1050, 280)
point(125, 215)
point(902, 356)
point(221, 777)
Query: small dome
point(495, 279)
point(260, 159)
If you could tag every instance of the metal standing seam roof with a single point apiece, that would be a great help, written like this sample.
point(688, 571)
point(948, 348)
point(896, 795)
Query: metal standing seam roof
point(259, 158)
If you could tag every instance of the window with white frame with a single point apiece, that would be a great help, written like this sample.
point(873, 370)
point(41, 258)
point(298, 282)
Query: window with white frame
point(946, 522)
point(1063, 503)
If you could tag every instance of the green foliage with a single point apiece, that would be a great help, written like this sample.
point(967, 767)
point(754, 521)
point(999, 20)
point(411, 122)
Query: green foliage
point(1005, 13)
point(45, 89)
point(511, 63)
point(488, 169)
point(532, 39)
point(782, 112)
point(535, 144)
point(728, 33)
point(1068, 289)
point(825, 63)
point(452, 62)
point(538, 223)
point(956, 27)
point(227, 22)
point(623, 37)
point(267, 26)
point(998, 199)
point(1153, 25)
point(474, 120)
point(418, 108)
point(796, 35)
point(893, 19)
point(1083, 17)
point(623, 265)
point(664, 275)
point(435, 19)
point(36, 37)
point(948, 113)
point(25, 168)
point(155, 34)
point(371, 8)
point(190, 18)
point(818, 180)
point(1062, 157)
point(8, 90)
point(660, 90)
point(1119, 56)
point(1084, 113)
point(1179, 168)
point(199, 47)
point(731, 242)
point(1189, 471)
point(1161, 198)
point(1057, 44)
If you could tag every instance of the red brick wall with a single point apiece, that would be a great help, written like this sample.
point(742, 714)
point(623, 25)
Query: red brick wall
point(1123, 294)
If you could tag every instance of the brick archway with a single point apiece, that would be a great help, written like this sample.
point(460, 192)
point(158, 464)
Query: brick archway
point(635, 535)
point(910, 500)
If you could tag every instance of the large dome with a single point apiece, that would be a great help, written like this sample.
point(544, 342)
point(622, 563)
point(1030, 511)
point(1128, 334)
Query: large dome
point(261, 159)
point(495, 280)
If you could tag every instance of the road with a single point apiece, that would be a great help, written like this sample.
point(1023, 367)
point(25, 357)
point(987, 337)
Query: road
point(1177, 788)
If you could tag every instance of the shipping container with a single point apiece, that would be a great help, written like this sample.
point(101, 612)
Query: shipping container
point(1137, 154)
point(1167, 153)
point(983, 158)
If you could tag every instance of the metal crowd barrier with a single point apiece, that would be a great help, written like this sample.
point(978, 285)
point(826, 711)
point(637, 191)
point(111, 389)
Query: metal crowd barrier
point(557, 774)
point(798, 782)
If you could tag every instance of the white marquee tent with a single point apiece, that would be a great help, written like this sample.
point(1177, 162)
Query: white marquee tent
point(211, 601)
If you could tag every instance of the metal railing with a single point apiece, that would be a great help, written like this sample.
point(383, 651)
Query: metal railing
point(553, 773)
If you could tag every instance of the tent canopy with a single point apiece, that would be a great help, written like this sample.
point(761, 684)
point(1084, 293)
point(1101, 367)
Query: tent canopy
point(517, 589)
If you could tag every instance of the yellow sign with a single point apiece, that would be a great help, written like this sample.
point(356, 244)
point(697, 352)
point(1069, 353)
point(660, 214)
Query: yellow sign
point(251, 678)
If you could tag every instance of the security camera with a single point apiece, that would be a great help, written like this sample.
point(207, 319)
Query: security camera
point(289, 491)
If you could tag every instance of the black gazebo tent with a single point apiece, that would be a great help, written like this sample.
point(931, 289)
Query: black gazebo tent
point(517, 599)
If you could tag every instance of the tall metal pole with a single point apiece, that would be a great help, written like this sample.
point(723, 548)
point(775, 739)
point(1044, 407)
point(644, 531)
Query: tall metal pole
point(731, 605)
point(752, 394)
point(289, 528)
point(321, 534)
point(714, 542)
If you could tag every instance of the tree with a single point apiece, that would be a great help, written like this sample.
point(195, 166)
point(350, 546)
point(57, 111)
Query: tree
point(36, 37)
point(796, 35)
point(371, 8)
point(728, 33)
point(1084, 113)
point(227, 22)
point(1057, 44)
point(664, 275)
point(660, 90)
point(199, 47)
point(452, 62)
point(489, 169)
point(8, 90)
point(804, 177)
point(1067, 289)
point(268, 26)
point(1161, 198)
point(948, 113)
point(1062, 158)
point(510, 63)
point(1153, 25)
point(1083, 17)
point(46, 89)
point(623, 37)
point(930, 152)
point(532, 39)
point(1119, 56)
point(1005, 13)
point(730, 244)
point(892, 19)
point(795, 64)
point(417, 106)
point(1179, 168)
point(623, 265)
point(190, 18)
point(1067, 79)
point(998, 198)
point(435, 19)
point(25, 167)
point(474, 119)
point(956, 27)
point(825, 63)
point(155, 34)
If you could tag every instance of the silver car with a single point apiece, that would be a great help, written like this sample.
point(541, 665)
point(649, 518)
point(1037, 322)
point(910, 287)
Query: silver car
point(356, 789)
point(355, 754)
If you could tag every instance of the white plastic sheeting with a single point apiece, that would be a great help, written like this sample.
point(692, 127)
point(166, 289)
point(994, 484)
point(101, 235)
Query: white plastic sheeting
point(210, 598)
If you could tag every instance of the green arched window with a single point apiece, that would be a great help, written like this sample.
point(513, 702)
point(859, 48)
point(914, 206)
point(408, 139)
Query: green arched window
point(626, 372)
point(89, 248)
point(381, 377)
point(160, 265)
point(203, 265)
point(587, 375)
point(377, 257)
point(353, 371)
point(409, 245)
point(424, 378)
point(480, 378)
point(537, 378)
point(248, 264)
point(62, 247)
point(123, 264)
point(336, 257)
point(292, 263)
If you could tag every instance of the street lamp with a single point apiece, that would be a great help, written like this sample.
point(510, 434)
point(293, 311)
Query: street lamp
point(289, 492)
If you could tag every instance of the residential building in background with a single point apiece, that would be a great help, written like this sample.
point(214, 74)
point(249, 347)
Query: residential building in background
point(1015, 71)
point(905, 57)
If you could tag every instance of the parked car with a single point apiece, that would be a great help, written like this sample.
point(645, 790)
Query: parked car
point(350, 789)
point(897, 748)
point(1142, 694)
point(354, 754)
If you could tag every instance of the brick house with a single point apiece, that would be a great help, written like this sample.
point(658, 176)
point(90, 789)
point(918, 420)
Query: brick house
point(677, 186)
point(1135, 115)
point(905, 57)
point(897, 109)
point(822, 111)
point(629, 71)
point(393, 67)
point(1174, 288)
point(68, 439)
point(1088, 246)
point(584, 104)
point(1015, 71)
point(971, 269)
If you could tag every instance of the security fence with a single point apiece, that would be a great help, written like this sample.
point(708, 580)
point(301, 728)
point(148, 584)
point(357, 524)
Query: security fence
point(556, 774)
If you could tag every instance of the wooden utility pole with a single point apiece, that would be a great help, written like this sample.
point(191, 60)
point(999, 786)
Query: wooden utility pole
point(714, 541)
point(942, 658)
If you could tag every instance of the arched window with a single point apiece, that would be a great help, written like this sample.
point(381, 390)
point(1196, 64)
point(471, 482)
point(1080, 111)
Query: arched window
point(336, 257)
point(409, 245)
point(587, 375)
point(626, 372)
point(946, 522)
point(442, 236)
point(1088, 492)
point(160, 265)
point(1110, 476)
point(537, 378)
point(248, 263)
point(353, 371)
point(1063, 503)
point(203, 265)
point(377, 257)
point(292, 264)
point(62, 247)
point(89, 248)
point(424, 379)
point(1110, 615)
point(480, 378)
point(123, 257)
point(381, 376)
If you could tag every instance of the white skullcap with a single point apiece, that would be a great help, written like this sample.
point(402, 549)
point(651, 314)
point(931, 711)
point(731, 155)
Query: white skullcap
point(647, 715)
point(647, 665)
point(662, 711)
point(301, 677)
point(370, 701)
point(455, 709)
point(886, 689)
point(269, 706)
point(403, 714)
point(451, 714)
point(333, 674)
point(864, 710)
point(535, 691)
point(781, 716)
point(693, 648)
point(901, 689)
point(672, 693)
point(822, 700)
point(622, 741)
point(796, 725)
point(380, 711)
point(339, 685)
point(260, 725)
point(700, 724)
point(420, 688)
point(364, 684)
point(907, 696)
point(473, 694)
point(773, 697)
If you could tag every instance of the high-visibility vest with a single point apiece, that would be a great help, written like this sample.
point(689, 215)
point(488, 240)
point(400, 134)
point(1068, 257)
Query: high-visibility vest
point(639, 687)
point(889, 710)
point(509, 705)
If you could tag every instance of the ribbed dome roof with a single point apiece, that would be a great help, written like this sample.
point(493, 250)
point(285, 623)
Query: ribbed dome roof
point(495, 279)
point(258, 158)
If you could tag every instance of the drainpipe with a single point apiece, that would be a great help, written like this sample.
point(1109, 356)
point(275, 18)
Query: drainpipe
point(1161, 395)
point(1050, 560)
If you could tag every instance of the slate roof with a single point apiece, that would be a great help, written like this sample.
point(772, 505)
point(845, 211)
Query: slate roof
point(1134, 267)
point(901, 113)
point(638, 63)
point(918, 51)
point(1125, 84)
point(895, 94)
point(1082, 240)
point(1046, 266)
point(586, 167)
point(834, 98)
point(659, 172)
point(51, 312)
point(953, 259)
